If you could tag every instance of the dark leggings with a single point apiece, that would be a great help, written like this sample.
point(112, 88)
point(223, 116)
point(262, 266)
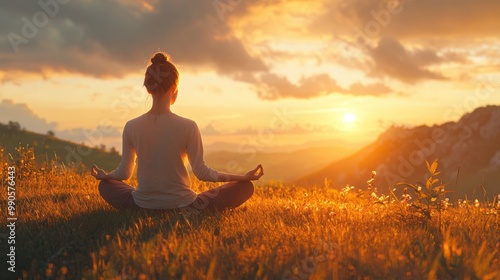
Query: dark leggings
point(228, 196)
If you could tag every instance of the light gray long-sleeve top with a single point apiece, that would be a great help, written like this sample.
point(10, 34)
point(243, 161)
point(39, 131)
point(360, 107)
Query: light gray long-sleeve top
point(161, 144)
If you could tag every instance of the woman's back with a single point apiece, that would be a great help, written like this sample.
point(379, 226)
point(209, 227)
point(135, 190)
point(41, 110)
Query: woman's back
point(162, 143)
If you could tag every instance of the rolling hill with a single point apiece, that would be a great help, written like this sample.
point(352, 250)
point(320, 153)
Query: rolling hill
point(51, 148)
point(281, 166)
point(468, 152)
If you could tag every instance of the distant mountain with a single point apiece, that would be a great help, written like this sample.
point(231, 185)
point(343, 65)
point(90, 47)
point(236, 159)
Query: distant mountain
point(330, 145)
point(48, 147)
point(469, 148)
point(281, 166)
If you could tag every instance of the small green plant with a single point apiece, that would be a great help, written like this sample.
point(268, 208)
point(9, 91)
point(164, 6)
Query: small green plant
point(371, 192)
point(429, 197)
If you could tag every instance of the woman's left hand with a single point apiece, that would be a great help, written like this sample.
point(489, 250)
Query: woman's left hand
point(98, 173)
point(254, 174)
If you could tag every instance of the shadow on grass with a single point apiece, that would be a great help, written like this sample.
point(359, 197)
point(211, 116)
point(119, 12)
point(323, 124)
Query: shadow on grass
point(46, 247)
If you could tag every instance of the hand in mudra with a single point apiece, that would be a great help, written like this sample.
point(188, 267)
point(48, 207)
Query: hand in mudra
point(98, 173)
point(255, 174)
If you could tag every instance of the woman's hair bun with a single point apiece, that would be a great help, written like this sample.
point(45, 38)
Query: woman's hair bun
point(159, 58)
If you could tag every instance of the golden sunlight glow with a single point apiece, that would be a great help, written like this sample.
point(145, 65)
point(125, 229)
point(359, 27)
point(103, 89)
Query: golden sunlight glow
point(147, 6)
point(349, 118)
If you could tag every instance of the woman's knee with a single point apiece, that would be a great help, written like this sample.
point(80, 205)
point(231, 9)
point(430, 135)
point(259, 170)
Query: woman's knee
point(104, 188)
point(247, 187)
point(101, 187)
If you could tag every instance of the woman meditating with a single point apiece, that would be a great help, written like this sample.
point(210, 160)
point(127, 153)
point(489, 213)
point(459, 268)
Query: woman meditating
point(160, 141)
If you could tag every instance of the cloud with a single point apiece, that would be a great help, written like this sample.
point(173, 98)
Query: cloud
point(21, 113)
point(210, 130)
point(376, 89)
point(114, 38)
point(291, 129)
point(409, 40)
point(92, 137)
point(275, 87)
point(409, 43)
point(392, 59)
point(296, 128)
point(449, 19)
point(408, 19)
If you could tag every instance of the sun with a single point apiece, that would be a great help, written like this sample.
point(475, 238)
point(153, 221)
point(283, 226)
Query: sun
point(349, 118)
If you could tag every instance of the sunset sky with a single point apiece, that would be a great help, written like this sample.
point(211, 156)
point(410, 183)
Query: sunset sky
point(277, 72)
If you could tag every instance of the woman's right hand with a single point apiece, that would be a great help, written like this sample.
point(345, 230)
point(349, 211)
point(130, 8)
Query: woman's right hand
point(254, 174)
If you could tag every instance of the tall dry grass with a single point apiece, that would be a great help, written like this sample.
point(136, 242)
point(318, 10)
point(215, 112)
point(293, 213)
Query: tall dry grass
point(66, 231)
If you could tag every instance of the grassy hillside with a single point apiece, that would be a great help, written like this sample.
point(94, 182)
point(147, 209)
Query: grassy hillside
point(282, 232)
point(47, 148)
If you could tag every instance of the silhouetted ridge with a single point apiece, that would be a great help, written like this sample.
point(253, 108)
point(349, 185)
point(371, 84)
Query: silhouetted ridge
point(471, 144)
